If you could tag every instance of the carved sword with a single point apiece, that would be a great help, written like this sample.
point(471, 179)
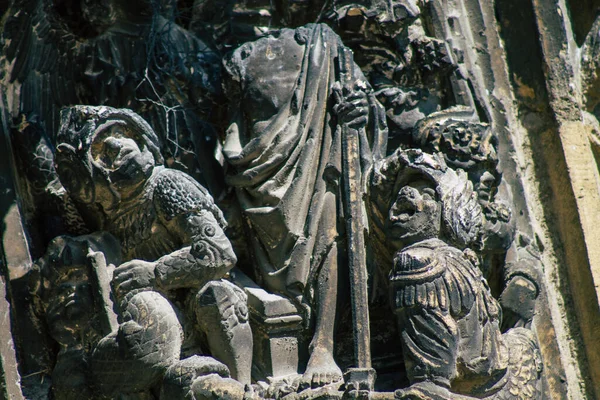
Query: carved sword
point(363, 376)
point(100, 282)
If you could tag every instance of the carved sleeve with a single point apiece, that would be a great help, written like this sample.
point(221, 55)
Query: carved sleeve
point(209, 257)
point(188, 210)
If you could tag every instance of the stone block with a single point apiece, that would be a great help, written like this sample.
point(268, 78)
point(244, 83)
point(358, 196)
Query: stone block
point(277, 330)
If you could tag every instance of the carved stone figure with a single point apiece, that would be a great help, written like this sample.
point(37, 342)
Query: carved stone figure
point(170, 230)
point(284, 151)
point(471, 146)
point(447, 318)
point(94, 360)
point(101, 357)
point(450, 327)
point(396, 48)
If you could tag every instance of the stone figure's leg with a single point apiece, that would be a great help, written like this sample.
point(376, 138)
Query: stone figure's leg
point(135, 357)
point(222, 315)
point(322, 368)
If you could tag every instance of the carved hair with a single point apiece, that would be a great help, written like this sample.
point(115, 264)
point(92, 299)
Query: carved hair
point(81, 124)
point(462, 217)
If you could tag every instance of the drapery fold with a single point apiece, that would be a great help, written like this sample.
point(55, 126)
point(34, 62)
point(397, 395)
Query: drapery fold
point(287, 170)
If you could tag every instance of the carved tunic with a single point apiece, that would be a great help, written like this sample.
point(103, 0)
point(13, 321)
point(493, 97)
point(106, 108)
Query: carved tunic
point(448, 318)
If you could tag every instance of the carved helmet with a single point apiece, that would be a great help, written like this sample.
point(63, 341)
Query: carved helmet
point(80, 125)
point(462, 218)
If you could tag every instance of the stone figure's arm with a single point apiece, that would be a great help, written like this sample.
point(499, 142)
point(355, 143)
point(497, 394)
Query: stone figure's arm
point(522, 277)
point(499, 224)
point(188, 212)
point(209, 257)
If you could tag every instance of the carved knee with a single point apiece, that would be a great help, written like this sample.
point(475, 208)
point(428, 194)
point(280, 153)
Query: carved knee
point(135, 357)
point(221, 313)
point(222, 304)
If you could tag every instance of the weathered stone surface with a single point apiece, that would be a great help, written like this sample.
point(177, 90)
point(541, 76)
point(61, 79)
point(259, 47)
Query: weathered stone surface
point(10, 381)
point(407, 189)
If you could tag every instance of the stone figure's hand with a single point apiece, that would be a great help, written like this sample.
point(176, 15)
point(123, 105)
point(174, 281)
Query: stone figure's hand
point(133, 275)
point(518, 302)
point(352, 106)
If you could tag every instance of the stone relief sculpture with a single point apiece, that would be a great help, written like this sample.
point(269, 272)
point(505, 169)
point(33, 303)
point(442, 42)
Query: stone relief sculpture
point(367, 182)
point(284, 145)
point(93, 359)
point(450, 328)
point(168, 226)
point(448, 320)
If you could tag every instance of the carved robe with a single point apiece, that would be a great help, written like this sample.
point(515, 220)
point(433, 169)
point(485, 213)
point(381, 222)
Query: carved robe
point(284, 151)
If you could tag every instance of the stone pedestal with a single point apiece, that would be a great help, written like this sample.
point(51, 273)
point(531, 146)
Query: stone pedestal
point(276, 328)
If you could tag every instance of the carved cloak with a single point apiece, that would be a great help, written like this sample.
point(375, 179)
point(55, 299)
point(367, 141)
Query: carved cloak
point(286, 165)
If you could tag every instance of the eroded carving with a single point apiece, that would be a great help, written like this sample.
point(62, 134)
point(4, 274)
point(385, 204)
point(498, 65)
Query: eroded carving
point(284, 146)
point(325, 218)
point(170, 231)
point(450, 327)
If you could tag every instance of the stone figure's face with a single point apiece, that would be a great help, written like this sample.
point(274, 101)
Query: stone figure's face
point(104, 155)
point(70, 306)
point(120, 156)
point(271, 66)
point(415, 215)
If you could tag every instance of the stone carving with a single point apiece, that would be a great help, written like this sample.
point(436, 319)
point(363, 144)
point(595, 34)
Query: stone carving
point(95, 360)
point(170, 231)
point(284, 146)
point(363, 192)
point(448, 321)
point(408, 67)
point(450, 327)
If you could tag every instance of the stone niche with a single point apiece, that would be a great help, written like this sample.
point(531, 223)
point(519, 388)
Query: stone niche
point(300, 199)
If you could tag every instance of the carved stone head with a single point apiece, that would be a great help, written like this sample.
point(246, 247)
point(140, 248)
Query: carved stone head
point(433, 201)
point(415, 214)
point(104, 154)
point(68, 287)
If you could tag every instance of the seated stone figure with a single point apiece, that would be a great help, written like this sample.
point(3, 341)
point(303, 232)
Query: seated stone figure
point(170, 230)
point(447, 318)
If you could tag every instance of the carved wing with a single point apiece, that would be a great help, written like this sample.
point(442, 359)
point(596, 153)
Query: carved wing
point(49, 64)
point(94, 54)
